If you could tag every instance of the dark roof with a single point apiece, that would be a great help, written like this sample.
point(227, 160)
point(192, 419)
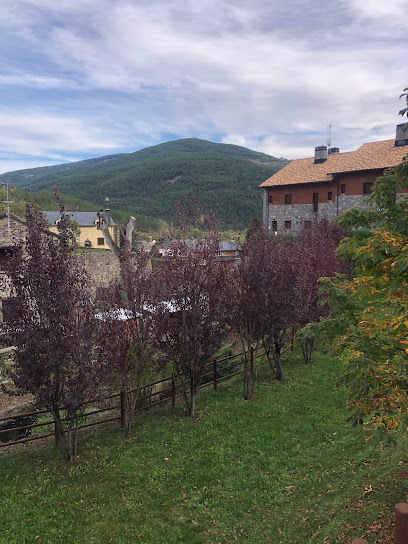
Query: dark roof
point(84, 219)
point(229, 245)
point(370, 156)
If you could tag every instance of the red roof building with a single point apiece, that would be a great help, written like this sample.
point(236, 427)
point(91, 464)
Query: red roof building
point(327, 184)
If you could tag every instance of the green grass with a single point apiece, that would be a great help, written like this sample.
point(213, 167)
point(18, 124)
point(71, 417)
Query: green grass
point(285, 468)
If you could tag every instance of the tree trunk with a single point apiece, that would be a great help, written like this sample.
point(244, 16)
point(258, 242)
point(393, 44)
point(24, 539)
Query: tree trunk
point(63, 439)
point(185, 393)
point(277, 351)
point(307, 350)
point(249, 376)
point(103, 223)
point(129, 409)
point(193, 395)
point(275, 362)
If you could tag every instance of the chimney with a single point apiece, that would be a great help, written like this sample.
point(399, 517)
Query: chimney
point(320, 154)
point(401, 136)
point(108, 217)
point(333, 150)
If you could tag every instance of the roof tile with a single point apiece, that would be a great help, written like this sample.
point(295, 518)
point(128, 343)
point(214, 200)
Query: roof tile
point(370, 156)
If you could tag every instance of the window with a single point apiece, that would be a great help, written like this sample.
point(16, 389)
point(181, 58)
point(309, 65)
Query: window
point(329, 195)
point(270, 199)
point(315, 202)
point(307, 224)
point(368, 187)
point(274, 226)
point(101, 241)
point(288, 225)
point(288, 199)
point(343, 188)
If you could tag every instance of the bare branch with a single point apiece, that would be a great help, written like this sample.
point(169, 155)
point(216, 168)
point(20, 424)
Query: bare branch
point(103, 224)
point(130, 227)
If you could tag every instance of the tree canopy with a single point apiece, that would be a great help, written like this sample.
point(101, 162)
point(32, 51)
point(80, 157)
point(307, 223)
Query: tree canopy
point(370, 310)
point(53, 327)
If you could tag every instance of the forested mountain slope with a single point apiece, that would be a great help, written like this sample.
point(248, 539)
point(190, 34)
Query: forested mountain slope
point(150, 181)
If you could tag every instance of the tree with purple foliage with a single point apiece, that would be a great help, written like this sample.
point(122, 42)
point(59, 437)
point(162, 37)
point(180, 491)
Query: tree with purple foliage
point(248, 317)
point(277, 290)
point(54, 328)
point(126, 326)
point(318, 243)
point(285, 298)
point(190, 314)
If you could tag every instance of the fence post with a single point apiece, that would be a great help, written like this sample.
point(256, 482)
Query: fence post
point(292, 341)
point(122, 408)
point(401, 523)
point(173, 391)
point(215, 374)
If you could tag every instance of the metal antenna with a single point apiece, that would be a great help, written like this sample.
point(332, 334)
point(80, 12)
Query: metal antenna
point(329, 135)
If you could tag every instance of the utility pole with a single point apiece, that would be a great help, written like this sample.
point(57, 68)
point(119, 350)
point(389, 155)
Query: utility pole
point(7, 202)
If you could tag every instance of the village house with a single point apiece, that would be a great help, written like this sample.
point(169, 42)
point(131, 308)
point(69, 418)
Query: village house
point(327, 184)
point(89, 232)
point(229, 250)
point(102, 266)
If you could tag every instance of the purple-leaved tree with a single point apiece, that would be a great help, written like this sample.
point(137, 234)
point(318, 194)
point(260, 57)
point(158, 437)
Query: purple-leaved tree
point(285, 299)
point(193, 299)
point(53, 326)
point(248, 316)
point(126, 326)
point(318, 242)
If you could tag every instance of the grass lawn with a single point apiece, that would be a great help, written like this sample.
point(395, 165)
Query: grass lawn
point(285, 468)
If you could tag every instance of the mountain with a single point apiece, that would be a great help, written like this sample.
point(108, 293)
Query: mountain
point(150, 181)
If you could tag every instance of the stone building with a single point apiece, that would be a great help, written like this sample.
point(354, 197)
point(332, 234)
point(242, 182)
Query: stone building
point(12, 232)
point(327, 184)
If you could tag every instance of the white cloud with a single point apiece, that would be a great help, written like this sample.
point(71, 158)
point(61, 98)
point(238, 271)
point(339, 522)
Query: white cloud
point(53, 136)
point(93, 76)
point(38, 81)
point(395, 11)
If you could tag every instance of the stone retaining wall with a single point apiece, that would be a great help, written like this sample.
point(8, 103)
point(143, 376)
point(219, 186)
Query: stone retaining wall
point(102, 266)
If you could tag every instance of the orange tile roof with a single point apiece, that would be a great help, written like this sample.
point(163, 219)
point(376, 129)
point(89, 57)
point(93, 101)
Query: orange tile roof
point(371, 156)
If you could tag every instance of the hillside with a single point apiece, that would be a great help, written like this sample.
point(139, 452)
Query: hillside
point(150, 181)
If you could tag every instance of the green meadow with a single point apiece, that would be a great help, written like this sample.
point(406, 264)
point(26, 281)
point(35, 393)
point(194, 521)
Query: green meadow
point(284, 468)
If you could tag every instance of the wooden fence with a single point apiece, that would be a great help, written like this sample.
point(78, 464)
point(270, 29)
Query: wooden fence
point(400, 525)
point(213, 377)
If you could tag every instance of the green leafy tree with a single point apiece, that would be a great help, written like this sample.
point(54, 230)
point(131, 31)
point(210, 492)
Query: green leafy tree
point(370, 311)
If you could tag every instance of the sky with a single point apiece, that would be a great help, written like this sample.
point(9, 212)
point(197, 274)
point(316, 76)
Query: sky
point(86, 78)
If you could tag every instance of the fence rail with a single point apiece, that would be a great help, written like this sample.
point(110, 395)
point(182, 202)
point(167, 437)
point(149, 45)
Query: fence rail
point(216, 370)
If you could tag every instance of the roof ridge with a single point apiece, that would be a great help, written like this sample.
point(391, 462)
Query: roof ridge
point(378, 155)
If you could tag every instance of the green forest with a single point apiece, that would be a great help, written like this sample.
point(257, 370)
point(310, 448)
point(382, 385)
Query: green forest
point(149, 182)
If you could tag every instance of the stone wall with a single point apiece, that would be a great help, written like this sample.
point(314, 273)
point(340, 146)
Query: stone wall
point(102, 266)
point(16, 234)
point(297, 214)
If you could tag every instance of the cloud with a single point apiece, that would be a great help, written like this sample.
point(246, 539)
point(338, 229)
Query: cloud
point(395, 11)
point(35, 134)
point(99, 76)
